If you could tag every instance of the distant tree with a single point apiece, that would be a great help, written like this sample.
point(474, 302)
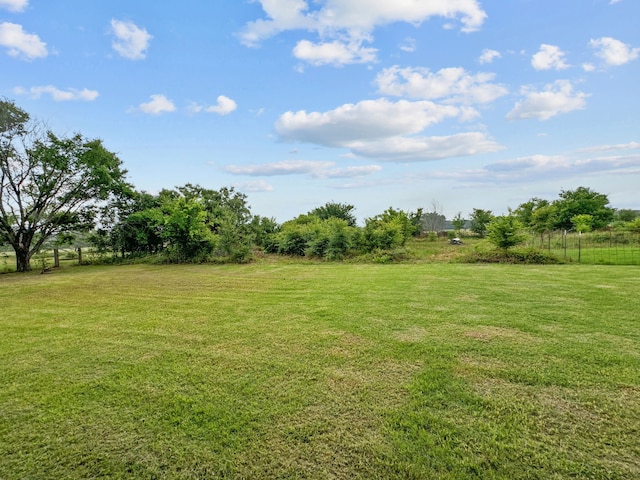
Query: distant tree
point(583, 201)
point(505, 232)
point(626, 215)
point(525, 211)
point(479, 221)
point(433, 220)
point(341, 211)
point(543, 220)
point(459, 222)
point(49, 185)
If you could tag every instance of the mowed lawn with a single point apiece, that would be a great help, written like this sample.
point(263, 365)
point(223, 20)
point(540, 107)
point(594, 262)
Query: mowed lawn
point(321, 371)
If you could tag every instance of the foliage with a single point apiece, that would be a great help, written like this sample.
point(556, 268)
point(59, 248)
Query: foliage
point(582, 223)
point(626, 215)
point(479, 221)
point(459, 223)
point(49, 184)
point(514, 256)
point(505, 232)
point(341, 211)
point(633, 226)
point(581, 201)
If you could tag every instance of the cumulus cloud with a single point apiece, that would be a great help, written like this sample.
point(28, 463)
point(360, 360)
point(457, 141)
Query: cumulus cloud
point(131, 41)
point(367, 120)
point(614, 52)
point(21, 44)
point(224, 106)
point(550, 57)
point(315, 169)
point(14, 5)
point(159, 104)
point(453, 84)
point(350, 21)
point(57, 94)
point(488, 56)
point(384, 130)
point(333, 53)
point(555, 99)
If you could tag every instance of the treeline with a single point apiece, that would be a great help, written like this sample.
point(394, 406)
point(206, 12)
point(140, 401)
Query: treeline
point(195, 224)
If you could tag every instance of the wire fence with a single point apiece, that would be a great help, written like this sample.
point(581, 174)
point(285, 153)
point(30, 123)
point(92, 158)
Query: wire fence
point(601, 248)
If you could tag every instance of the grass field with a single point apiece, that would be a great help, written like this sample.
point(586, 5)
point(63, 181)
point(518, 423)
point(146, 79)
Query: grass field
point(321, 371)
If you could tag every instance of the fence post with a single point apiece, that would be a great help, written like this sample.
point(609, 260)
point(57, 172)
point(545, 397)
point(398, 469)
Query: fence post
point(579, 246)
point(56, 258)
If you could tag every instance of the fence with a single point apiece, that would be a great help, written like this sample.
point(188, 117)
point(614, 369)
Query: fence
point(603, 247)
point(46, 259)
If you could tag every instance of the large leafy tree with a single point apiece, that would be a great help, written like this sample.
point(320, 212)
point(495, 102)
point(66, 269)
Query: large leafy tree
point(48, 184)
point(583, 201)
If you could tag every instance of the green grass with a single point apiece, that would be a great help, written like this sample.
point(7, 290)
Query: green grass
point(284, 370)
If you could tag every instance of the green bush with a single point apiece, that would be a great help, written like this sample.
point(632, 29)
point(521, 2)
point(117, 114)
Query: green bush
point(515, 256)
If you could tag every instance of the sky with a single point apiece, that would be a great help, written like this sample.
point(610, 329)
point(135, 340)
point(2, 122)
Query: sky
point(445, 105)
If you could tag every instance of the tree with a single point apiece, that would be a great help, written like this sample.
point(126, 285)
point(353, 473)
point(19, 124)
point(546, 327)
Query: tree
point(48, 184)
point(583, 201)
point(505, 232)
point(434, 220)
point(626, 215)
point(459, 222)
point(479, 221)
point(582, 223)
point(543, 220)
point(341, 211)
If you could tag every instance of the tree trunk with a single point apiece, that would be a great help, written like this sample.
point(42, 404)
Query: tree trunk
point(23, 260)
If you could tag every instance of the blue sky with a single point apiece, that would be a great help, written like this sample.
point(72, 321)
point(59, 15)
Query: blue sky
point(442, 104)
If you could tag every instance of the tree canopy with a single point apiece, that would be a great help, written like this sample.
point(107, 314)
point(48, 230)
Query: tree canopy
point(49, 184)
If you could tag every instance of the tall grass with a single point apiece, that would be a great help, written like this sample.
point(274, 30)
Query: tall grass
point(321, 371)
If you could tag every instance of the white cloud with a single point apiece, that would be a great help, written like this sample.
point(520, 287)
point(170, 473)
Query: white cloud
point(488, 56)
point(21, 43)
point(550, 57)
point(159, 104)
point(131, 41)
point(57, 94)
point(14, 5)
point(556, 99)
point(608, 148)
point(365, 121)
point(613, 2)
point(402, 149)
point(537, 168)
point(613, 51)
point(409, 45)
point(315, 169)
point(333, 53)
point(453, 84)
point(351, 21)
point(385, 130)
point(588, 67)
point(286, 167)
point(254, 186)
point(224, 106)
